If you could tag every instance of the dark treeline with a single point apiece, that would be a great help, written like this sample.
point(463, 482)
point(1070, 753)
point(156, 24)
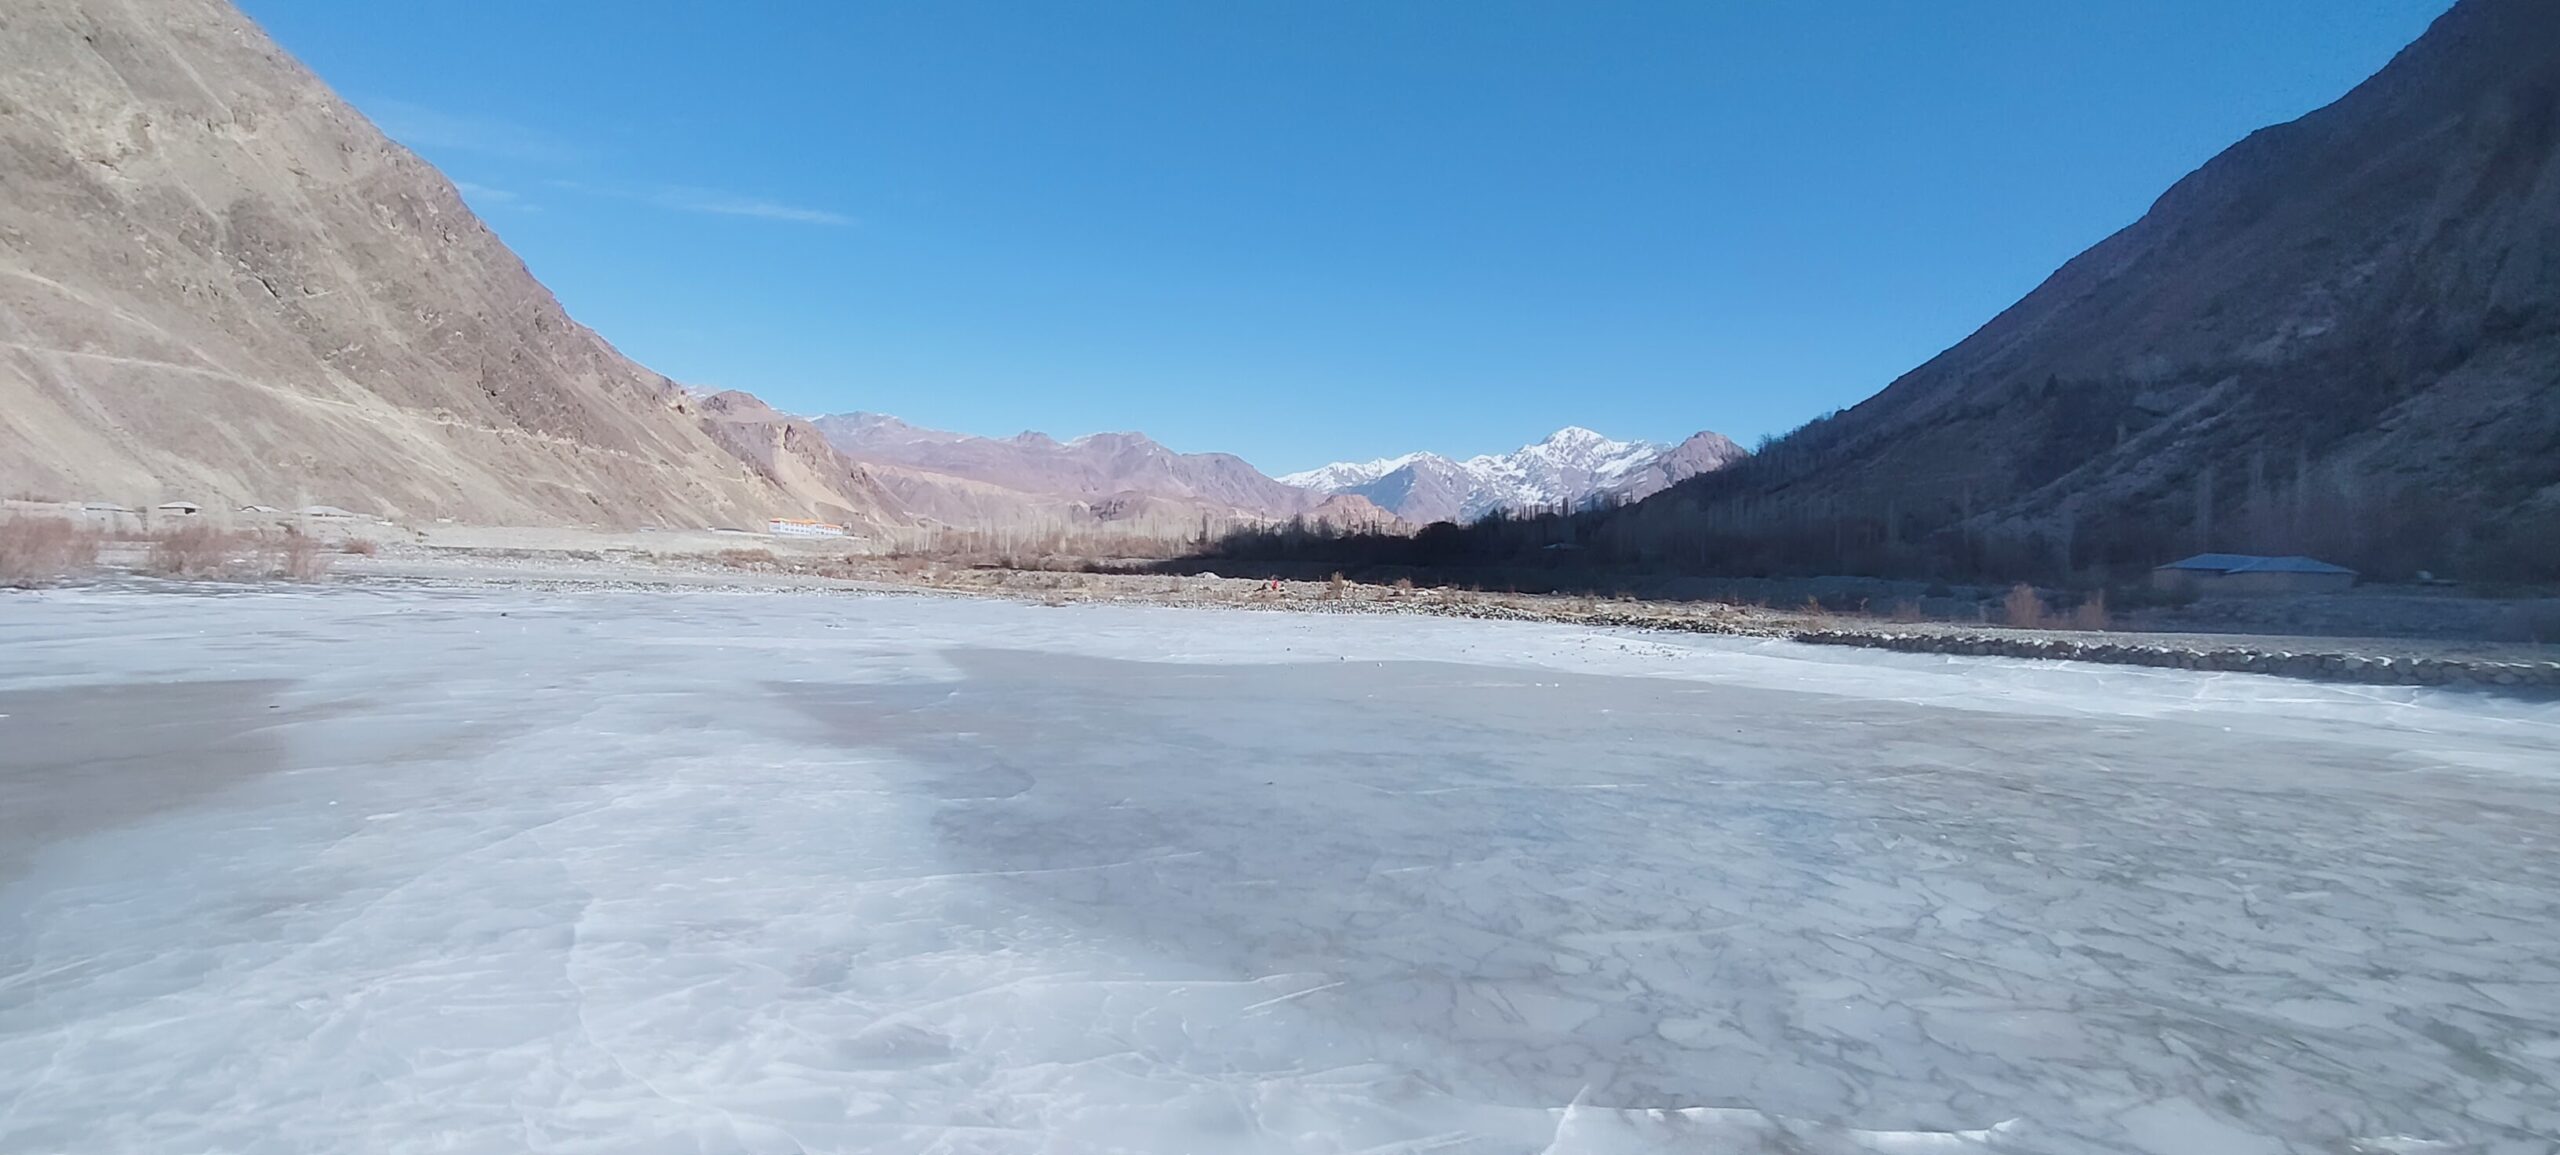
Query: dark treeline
point(1750, 520)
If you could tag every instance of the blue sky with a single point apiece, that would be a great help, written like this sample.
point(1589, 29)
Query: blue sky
point(1316, 230)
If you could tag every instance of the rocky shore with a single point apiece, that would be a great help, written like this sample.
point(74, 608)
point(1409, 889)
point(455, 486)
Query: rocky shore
point(2319, 660)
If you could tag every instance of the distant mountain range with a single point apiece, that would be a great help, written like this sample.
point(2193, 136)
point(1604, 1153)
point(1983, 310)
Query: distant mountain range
point(959, 479)
point(1127, 478)
point(1572, 467)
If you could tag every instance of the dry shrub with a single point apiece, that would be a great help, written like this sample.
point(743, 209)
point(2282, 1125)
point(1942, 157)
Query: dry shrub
point(1334, 587)
point(2092, 612)
point(1907, 611)
point(2022, 608)
point(196, 551)
point(361, 547)
point(744, 558)
point(37, 550)
point(299, 558)
point(1404, 585)
point(201, 551)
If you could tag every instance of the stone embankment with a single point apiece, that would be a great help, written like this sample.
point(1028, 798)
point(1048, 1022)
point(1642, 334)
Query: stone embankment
point(2326, 665)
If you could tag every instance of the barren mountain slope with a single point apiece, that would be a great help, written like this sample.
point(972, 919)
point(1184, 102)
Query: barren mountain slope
point(219, 282)
point(2341, 329)
point(792, 456)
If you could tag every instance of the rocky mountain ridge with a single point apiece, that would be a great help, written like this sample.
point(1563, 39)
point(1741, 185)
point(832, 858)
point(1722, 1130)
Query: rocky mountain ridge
point(220, 283)
point(2339, 337)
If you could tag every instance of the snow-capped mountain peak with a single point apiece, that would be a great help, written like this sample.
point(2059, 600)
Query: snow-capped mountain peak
point(1342, 475)
point(1571, 466)
point(1574, 439)
point(1571, 449)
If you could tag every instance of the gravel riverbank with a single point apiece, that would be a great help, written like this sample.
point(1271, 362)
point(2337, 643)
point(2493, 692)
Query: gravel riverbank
point(2490, 666)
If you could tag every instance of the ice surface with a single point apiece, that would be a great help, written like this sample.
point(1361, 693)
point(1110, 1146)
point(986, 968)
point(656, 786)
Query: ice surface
point(445, 870)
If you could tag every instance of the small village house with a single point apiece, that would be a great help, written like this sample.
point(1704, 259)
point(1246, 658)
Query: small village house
point(803, 527)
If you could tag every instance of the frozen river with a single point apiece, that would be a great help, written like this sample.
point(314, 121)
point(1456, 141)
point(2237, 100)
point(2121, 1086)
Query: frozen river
point(377, 870)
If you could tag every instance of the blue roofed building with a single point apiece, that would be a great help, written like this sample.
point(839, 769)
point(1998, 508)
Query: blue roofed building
point(2241, 573)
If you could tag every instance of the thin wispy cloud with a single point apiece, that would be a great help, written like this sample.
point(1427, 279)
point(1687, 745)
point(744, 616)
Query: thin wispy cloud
point(695, 199)
point(700, 200)
point(430, 130)
point(486, 194)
